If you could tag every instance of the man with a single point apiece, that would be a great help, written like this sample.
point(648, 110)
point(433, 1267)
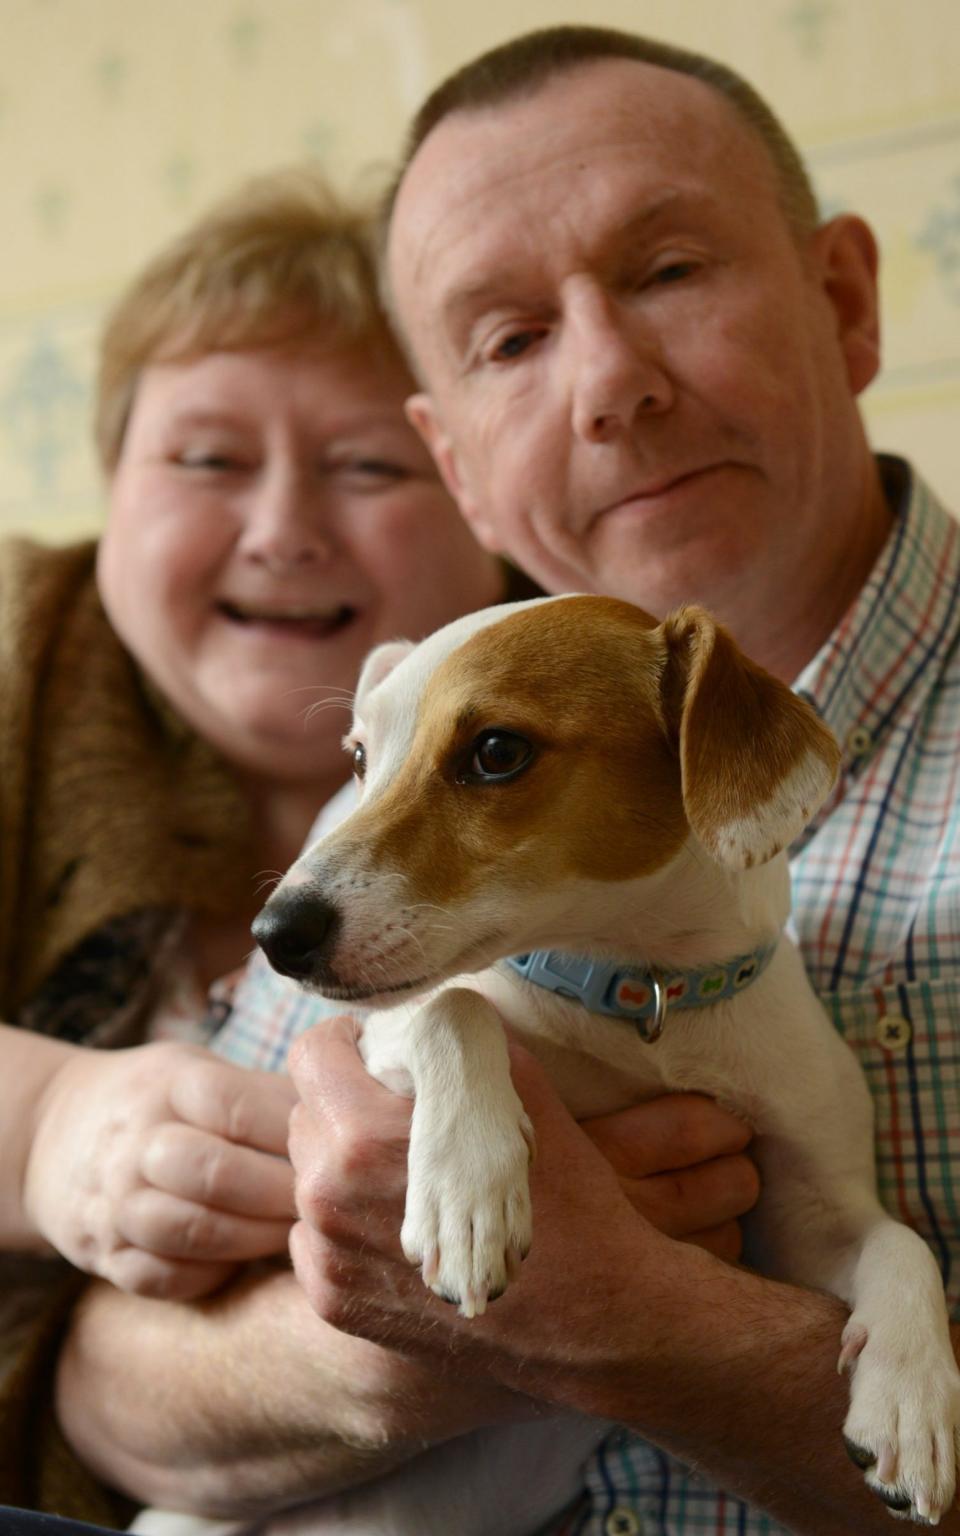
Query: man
point(641, 355)
point(641, 358)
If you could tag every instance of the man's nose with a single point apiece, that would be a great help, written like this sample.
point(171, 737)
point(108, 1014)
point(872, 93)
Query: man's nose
point(618, 373)
point(287, 520)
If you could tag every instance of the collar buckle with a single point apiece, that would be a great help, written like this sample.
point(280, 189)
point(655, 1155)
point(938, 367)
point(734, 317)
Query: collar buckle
point(651, 1029)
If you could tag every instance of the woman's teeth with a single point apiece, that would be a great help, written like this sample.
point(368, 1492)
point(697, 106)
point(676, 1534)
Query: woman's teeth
point(312, 621)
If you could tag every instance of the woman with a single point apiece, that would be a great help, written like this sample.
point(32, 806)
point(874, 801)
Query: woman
point(170, 725)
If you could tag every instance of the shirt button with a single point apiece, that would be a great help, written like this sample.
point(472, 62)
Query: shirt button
point(621, 1522)
point(894, 1033)
point(859, 741)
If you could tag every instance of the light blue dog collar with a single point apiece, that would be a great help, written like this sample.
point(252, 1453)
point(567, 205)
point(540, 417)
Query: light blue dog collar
point(643, 997)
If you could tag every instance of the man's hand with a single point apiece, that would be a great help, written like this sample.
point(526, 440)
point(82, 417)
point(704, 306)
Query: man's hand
point(678, 1160)
point(161, 1167)
point(682, 1163)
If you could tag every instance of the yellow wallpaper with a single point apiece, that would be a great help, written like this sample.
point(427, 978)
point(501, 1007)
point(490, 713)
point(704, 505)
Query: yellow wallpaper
point(121, 119)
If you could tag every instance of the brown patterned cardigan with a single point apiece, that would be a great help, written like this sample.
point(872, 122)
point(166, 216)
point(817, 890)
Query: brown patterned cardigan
point(115, 819)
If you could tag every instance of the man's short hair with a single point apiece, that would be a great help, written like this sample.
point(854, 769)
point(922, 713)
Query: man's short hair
point(519, 68)
point(283, 259)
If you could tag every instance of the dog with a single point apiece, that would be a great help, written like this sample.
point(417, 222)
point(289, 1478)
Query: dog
point(573, 821)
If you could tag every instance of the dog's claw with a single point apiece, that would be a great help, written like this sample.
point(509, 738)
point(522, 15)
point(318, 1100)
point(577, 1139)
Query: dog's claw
point(515, 1257)
point(473, 1303)
point(431, 1267)
point(887, 1464)
point(852, 1344)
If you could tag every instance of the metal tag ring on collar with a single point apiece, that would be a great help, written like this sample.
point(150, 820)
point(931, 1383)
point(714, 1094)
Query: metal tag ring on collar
point(650, 1030)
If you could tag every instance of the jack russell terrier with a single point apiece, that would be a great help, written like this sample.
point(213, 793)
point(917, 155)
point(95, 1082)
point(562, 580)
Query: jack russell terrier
point(573, 822)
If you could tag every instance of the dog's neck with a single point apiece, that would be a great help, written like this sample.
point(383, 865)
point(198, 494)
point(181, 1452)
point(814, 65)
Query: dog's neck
point(691, 913)
point(641, 997)
point(700, 935)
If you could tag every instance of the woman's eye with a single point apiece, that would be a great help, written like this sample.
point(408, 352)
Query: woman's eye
point(379, 469)
point(674, 272)
point(220, 463)
point(358, 757)
point(368, 473)
point(497, 755)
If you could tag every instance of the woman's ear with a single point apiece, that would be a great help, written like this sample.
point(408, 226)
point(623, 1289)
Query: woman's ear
point(848, 258)
point(423, 417)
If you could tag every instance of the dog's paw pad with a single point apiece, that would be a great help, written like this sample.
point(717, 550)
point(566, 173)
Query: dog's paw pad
point(859, 1454)
point(902, 1428)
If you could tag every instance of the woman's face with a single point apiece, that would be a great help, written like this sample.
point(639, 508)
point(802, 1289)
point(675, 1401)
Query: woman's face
point(273, 516)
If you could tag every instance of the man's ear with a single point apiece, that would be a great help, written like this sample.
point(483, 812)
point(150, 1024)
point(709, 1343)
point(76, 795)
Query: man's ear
point(422, 415)
point(756, 761)
point(848, 260)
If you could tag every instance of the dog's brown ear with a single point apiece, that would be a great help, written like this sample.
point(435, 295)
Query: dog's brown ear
point(379, 663)
point(756, 761)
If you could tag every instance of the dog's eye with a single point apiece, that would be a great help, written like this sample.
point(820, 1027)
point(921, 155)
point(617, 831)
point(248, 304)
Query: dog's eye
point(359, 759)
point(496, 755)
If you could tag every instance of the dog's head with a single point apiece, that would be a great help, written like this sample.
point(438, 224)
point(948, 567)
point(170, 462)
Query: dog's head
point(522, 766)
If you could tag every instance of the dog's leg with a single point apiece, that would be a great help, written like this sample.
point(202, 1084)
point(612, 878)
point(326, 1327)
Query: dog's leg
point(828, 1229)
point(467, 1219)
point(903, 1426)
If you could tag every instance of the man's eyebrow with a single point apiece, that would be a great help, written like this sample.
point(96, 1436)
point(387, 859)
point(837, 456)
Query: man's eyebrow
point(472, 298)
point(475, 298)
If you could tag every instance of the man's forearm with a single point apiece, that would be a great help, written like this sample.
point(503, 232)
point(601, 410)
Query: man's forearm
point(244, 1402)
point(745, 1389)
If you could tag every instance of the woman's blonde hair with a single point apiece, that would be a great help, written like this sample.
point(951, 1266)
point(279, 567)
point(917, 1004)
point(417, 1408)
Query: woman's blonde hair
point(282, 258)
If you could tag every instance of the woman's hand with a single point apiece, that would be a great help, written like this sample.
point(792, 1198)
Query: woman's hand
point(161, 1167)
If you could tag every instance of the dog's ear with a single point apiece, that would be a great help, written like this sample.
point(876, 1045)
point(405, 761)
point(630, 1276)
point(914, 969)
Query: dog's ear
point(756, 761)
point(380, 663)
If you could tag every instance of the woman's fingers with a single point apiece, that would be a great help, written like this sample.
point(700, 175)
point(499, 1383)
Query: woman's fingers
point(195, 1165)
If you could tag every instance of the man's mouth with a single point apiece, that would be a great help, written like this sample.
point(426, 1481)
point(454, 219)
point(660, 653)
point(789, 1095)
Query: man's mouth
point(309, 623)
point(654, 490)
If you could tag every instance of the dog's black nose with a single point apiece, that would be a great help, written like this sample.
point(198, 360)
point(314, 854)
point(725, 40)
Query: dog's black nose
point(296, 933)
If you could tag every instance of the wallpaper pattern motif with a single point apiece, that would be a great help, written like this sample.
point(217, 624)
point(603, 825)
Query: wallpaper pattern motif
point(121, 119)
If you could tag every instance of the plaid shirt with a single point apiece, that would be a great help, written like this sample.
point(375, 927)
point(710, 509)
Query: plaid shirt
point(876, 884)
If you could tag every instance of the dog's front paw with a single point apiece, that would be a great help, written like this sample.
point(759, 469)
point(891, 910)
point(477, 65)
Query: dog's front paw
point(903, 1427)
point(467, 1219)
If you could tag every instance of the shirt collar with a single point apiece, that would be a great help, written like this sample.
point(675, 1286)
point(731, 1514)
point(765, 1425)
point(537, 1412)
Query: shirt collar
point(895, 637)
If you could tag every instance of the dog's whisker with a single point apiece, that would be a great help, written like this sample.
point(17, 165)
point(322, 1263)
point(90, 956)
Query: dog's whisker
point(313, 710)
point(266, 879)
point(332, 689)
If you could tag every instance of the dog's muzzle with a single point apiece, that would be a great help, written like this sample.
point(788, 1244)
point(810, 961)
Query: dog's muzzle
point(296, 933)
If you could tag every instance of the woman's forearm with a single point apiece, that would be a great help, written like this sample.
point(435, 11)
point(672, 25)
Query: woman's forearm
point(246, 1401)
point(28, 1065)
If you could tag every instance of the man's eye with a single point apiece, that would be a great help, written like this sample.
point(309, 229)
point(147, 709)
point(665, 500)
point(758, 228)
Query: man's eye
point(496, 756)
point(514, 346)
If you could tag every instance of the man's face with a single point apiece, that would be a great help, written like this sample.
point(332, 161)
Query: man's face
point(638, 381)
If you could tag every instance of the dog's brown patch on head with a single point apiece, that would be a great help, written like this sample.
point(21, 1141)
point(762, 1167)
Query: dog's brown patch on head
point(580, 679)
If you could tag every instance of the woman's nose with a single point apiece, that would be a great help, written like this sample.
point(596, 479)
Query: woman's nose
point(287, 521)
